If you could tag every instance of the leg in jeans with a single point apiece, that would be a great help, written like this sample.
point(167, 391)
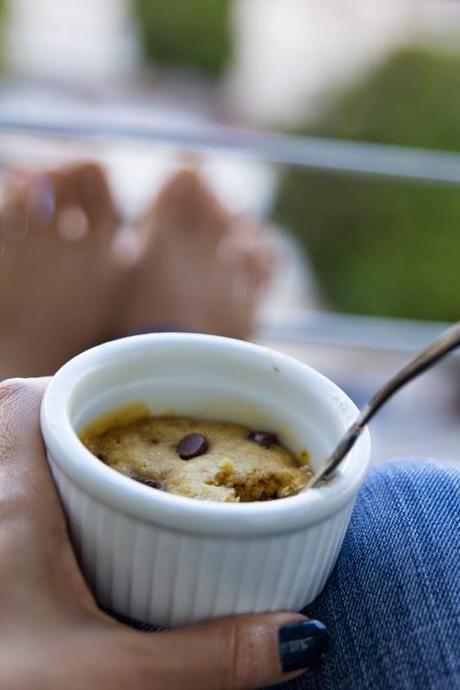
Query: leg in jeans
point(392, 603)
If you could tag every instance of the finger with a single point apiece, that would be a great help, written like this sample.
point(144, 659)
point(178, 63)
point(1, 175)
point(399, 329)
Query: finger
point(33, 533)
point(249, 651)
point(26, 487)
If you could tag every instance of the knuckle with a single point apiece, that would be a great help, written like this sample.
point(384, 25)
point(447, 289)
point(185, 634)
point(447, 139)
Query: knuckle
point(17, 391)
point(13, 392)
point(240, 671)
point(11, 389)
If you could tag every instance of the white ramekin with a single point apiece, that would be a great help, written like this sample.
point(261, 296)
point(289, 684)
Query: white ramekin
point(171, 560)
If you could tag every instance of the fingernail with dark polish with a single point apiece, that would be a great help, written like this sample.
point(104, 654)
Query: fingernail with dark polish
point(302, 645)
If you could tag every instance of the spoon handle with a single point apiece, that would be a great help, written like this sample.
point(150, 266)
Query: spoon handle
point(445, 343)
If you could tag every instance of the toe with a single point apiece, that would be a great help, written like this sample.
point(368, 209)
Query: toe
point(83, 203)
point(248, 248)
point(57, 275)
point(94, 191)
point(74, 200)
point(186, 201)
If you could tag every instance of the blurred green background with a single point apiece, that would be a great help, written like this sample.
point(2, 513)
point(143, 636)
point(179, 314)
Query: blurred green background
point(376, 247)
point(192, 34)
point(2, 27)
point(383, 248)
point(330, 69)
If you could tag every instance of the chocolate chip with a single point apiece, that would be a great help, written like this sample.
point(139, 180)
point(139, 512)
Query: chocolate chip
point(155, 441)
point(191, 446)
point(102, 456)
point(263, 438)
point(148, 481)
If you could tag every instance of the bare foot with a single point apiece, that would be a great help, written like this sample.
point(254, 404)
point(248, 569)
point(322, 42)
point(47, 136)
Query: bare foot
point(57, 282)
point(203, 268)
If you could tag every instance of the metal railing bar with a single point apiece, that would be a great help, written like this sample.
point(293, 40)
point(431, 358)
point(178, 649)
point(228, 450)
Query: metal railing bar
point(359, 158)
point(351, 331)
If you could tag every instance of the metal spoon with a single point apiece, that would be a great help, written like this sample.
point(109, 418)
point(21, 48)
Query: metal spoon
point(440, 347)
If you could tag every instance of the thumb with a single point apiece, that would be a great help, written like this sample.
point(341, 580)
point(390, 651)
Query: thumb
point(240, 652)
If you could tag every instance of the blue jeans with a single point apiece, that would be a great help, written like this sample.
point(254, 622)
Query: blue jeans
point(392, 603)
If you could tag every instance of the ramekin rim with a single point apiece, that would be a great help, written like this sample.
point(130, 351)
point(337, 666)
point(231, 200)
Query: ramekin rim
point(178, 512)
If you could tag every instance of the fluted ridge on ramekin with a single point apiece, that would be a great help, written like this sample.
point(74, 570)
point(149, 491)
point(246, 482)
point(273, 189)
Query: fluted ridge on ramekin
point(160, 576)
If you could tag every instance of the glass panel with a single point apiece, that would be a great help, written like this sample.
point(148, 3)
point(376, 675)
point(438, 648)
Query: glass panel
point(335, 129)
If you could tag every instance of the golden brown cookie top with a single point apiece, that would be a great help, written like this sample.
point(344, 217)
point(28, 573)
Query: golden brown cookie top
point(202, 459)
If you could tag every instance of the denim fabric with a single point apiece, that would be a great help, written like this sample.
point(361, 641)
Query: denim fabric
point(392, 603)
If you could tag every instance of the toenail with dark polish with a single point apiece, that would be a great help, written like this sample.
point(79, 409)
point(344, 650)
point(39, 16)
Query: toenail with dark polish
point(302, 645)
point(41, 201)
